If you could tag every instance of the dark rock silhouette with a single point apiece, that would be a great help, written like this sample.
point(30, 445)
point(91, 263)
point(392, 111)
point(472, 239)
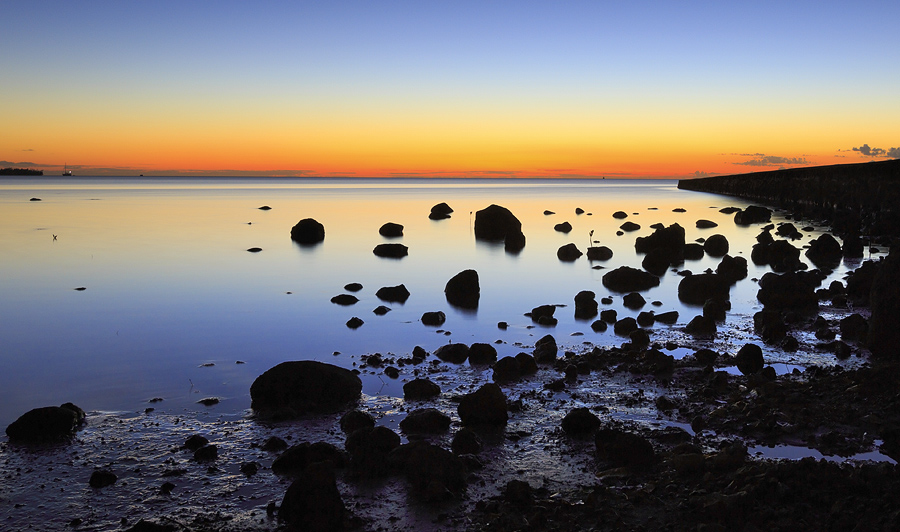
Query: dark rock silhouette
point(419, 389)
point(496, 223)
point(628, 279)
point(298, 387)
point(506, 369)
point(701, 326)
point(625, 326)
point(599, 253)
point(353, 287)
point(481, 353)
point(671, 238)
point(545, 350)
point(629, 226)
point(620, 215)
point(749, 359)
point(308, 231)
point(780, 255)
point(669, 318)
point(393, 294)
point(434, 473)
point(716, 245)
point(463, 290)
point(732, 268)
point(466, 441)
point(543, 314)
point(355, 420)
point(706, 224)
point(884, 300)
point(434, 319)
point(696, 289)
point(265, 208)
point(753, 214)
point(391, 230)
point(48, 424)
point(620, 448)
point(369, 449)
point(294, 460)
point(568, 253)
point(791, 290)
point(633, 300)
point(693, 251)
point(393, 251)
point(425, 421)
point(453, 353)
point(657, 261)
point(486, 406)
point(344, 299)
point(441, 211)
point(580, 422)
point(585, 305)
point(564, 227)
point(313, 503)
point(102, 478)
point(825, 252)
point(355, 323)
point(854, 327)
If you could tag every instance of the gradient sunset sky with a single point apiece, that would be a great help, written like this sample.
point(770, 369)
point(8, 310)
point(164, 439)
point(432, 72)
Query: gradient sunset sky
point(384, 88)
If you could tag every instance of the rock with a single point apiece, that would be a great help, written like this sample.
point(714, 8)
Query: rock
point(486, 406)
point(308, 231)
point(580, 422)
point(506, 370)
point(753, 214)
point(884, 300)
point(393, 294)
point(195, 442)
point(716, 309)
point(481, 353)
point(46, 425)
point(579, 210)
point(391, 230)
point(543, 314)
point(425, 421)
point(564, 227)
point(392, 251)
point(791, 290)
point(294, 388)
point(248, 469)
point(381, 310)
point(568, 253)
point(701, 326)
point(825, 252)
point(545, 350)
point(696, 289)
point(434, 319)
point(620, 215)
point(716, 245)
point(628, 279)
point(518, 493)
point(265, 208)
point(102, 478)
point(706, 224)
point(369, 449)
point(466, 441)
point(633, 300)
point(463, 290)
point(854, 327)
point(625, 326)
point(770, 326)
point(780, 255)
point(585, 305)
point(515, 242)
point(629, 226)
point(620, 448)
point(693, 251)
point(313, 503)
point(353, 287)
point(149, 526)
point(357, 419)
point(453, 353)
point(657, 261)
point(729, 210)
point(354, 323)
point(344, 300)
point(749, 359)
point(274, 444)
point(434, 473)
point(548, 213)
point(670, 238)
point(420, 389)
point(787, 230)
point(297, 458)
point(440, 211)
point(646, 319)
point(706, 356)
point(640, 339)
point(609, 315)
point(207, 453)
point(599, 253)
point(496, 223)
point(733, 269)
point(254, 250)
point(527, 364)
point(599, 326)
point(853, 247)
point(668, 318)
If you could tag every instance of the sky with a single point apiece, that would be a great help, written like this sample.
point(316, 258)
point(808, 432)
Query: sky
point(455, 89)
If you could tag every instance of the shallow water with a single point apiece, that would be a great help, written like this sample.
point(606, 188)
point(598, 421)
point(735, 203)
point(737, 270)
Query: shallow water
point(173, 301)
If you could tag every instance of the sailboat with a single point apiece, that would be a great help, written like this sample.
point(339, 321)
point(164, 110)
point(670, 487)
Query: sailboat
point(66, 171)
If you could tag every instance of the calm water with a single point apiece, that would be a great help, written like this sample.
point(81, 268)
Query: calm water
point(173, 300)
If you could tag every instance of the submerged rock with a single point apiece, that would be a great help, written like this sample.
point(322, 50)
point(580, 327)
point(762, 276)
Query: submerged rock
point(753, 214)
point(568, 253)
point(599, 253)
point(434, 319)
point(298, 387)
point(564, 227)
point(391, 230)
point(749, 359)
point(425, 421)
point(463, 290)
point(585, 305)
point(486, 406)
point(420, 389)
point(628, 279)
point(434, 473)
point(481, 353)
point(393, 294)
point(393, 251)
point(441, 211)
point(453, 353)
point(716, 245)
point(48, 424)
point(497, 223)
point(545, 350)
point(308, 231)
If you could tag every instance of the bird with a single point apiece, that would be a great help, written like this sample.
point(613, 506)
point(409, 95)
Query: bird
point(54, 237)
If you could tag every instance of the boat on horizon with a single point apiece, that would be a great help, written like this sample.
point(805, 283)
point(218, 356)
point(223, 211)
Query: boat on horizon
point(66, 171)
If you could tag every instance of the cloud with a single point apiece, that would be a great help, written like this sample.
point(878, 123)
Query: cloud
point(891, 153)
point(28, 149)
point(773, 160)
point(700, 173)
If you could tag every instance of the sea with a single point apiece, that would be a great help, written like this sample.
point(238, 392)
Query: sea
point(124, 294)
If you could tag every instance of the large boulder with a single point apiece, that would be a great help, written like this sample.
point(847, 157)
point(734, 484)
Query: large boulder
point(463, 290)
point(779, 254)
point(732, 268)
point(884, 300)
point(308, 231)
point(434, 319)
point(506, 369)
point(671, 238)
point(440, 211)
point(496, 223)
point(485, 406)
point(545, 350)
point(564, 227)
point(393, 294)
point(753, 214)
point(599, 253)
point(628, 279)
point(791, 290)
point(46, 425)
point(481, 353)
point(716, 246)
point(749, 359)
point(585, 305)
point(313, 503)
point(568, 253)
point(696, 289)
point(392, 251)
point(391, 230)
point(298, 387)
point(825, 251)
point(453, 353)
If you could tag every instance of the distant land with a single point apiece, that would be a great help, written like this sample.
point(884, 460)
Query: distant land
point(862, 187)
point(20, 171)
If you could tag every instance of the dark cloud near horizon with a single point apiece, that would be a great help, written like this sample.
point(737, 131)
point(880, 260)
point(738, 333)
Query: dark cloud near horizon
point(891, 153)
point(772, 160)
